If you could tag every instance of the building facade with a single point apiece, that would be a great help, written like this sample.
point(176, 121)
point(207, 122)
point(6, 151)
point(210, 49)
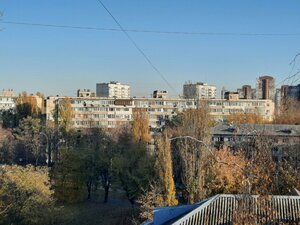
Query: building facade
point(294, 92)
point(7, 100)
point(265, 87)
point(246, 92)
point(199, 91)
point(111, 112)
point(113, 89)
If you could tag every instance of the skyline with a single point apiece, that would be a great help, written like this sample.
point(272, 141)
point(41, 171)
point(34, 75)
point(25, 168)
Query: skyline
point(62, 60)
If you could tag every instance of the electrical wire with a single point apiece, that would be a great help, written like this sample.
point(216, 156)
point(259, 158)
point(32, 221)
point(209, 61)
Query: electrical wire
point(138, 48)
point(246, 34)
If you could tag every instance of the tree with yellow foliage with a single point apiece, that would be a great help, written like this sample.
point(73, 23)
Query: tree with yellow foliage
point(289, 112)
point(65, 113)
point(165, 169)
point(27, 106)
point(140, 126)
point(245, 118)
point(227, 173)
point(25, 195)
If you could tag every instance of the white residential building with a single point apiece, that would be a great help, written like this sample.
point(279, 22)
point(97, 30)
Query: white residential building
point(7, 100)
point(113, 90)
point(111, 112)
point(199, 91)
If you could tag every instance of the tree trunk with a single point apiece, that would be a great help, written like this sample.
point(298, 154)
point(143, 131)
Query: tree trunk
point(89, 187)
point(106, 189)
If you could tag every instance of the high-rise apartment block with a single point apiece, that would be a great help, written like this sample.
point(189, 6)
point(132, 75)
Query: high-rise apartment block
point(199, 91)
point(294, 92)
point(113, 89)
point(265, 88)
point(246, 92)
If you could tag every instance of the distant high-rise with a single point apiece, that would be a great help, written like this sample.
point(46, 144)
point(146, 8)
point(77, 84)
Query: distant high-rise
point(113, 89)
point(265, 87)
point(246, 92)
point(199, 91)
point(294, 92)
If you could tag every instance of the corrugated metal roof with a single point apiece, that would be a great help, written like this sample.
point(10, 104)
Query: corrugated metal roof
point(254, 129)
point(244, 209)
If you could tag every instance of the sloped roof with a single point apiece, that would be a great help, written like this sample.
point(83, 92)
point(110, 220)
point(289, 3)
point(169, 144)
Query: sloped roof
point(254, 129)
point(225, 209)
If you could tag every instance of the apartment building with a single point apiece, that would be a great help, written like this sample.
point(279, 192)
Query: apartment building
point(111, 112)
point(199, 91)
point(246, 92)
point(265, 87)
point(113, 89)
point(220, 109)
point(7, 100)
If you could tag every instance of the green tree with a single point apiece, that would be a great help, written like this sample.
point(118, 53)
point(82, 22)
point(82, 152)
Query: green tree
point(135, 167)
point(68, 177)
point(100, 159)
point(29, 133)
point(25, 195)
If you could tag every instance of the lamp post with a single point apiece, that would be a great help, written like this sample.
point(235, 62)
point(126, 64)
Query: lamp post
point(47, 149)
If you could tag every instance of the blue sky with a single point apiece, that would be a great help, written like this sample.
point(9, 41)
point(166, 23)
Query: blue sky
point(60, 61)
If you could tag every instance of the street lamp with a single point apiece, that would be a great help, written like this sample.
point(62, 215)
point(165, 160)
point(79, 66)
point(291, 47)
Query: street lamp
point(47, 149)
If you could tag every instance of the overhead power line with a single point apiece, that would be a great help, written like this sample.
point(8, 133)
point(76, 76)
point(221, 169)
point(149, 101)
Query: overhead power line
point(138, 48)
point(153, 31)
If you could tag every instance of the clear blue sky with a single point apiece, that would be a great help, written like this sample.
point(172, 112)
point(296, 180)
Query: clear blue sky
point(60, 61)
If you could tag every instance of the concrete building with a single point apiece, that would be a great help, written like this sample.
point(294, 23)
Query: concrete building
point(113, 89)
point(111, 112)
point(7, 100)
point(199, 91)
point(294, 92)
point(160, 94)
point(220, 109)
point(246, 92)
point(265, 87)
point(234, 135)
point(86, 93)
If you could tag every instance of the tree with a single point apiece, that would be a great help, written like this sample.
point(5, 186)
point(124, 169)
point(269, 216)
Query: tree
point(25, 195)
point(100, 159)
point(27, 105)
point(150, 200)
point(245, 118)
point(65, 114)
point(191, 157)
point(135, 167)
point(29, 133)
point(289, 112)
point(52, 138)
point(68, 176)
point(164, 165)
point(9, 118)
point(227, 172)
point(140, 126)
